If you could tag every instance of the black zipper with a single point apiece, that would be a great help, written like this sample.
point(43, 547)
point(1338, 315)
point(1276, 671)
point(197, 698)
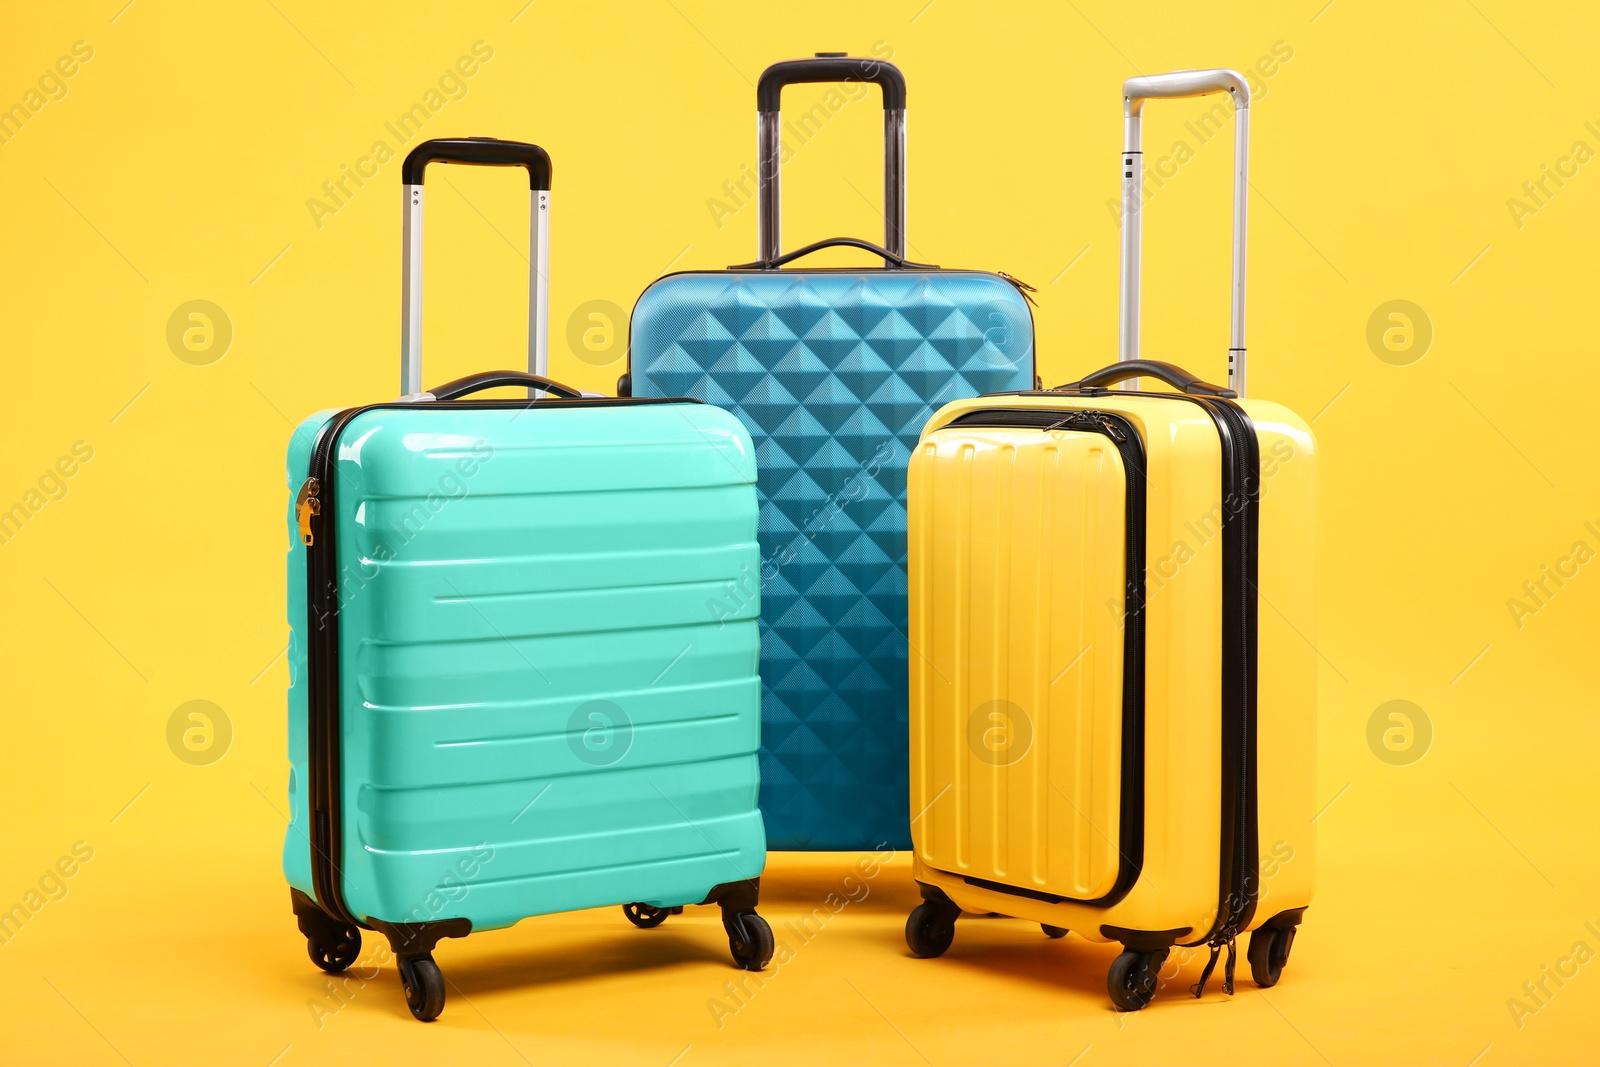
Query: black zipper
point(315, 515)
point(1241, 500)
point(1130, 844)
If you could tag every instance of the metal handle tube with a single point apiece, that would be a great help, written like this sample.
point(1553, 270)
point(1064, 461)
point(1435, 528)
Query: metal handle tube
point(1135, 91)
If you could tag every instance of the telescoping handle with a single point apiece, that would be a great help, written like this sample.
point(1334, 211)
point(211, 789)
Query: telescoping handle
point(1135, 91)
point(831, 67)
point(483, 152)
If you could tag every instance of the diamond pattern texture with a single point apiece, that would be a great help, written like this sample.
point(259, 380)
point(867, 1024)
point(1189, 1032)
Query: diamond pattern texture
point(834, 373)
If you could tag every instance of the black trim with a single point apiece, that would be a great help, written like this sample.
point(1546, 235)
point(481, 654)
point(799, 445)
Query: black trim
point(1014, 890)
point(1241, 502)
point(481, 152)
point(831, 67)
point(323, 725)
point(1122, 433)
point(1239, 874)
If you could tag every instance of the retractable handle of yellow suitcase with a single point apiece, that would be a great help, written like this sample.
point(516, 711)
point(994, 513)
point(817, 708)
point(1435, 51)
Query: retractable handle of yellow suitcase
point(1135, 91)
point(483, 152)
point(831, 67)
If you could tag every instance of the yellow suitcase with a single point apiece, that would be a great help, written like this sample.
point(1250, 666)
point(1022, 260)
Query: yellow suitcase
point(1113, 602)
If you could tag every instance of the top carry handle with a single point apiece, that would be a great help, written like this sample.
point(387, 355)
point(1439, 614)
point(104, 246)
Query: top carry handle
point(1135, 91)
point(831, 67)
point(478, 151)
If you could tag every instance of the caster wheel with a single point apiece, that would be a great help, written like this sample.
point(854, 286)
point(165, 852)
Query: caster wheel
point(1053, 932)
point(424, 987)
point(335, 955)
point(1132, 980)
point(1269, 951)
point(749, 939)
point(930, 929)
point(644, 916)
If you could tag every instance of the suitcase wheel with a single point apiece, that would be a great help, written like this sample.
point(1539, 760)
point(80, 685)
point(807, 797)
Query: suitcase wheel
point(749, 939)
point(644, 916)
point(423, 985)
point(334, 947)
point(1269, 951)
point(1053, 932)
point(931, 927)
point(1133, 979)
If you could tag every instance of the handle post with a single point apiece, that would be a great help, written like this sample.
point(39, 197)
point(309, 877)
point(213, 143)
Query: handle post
point(830, 67)
point(477, 151)
point(411, 294)
point(1185, 83)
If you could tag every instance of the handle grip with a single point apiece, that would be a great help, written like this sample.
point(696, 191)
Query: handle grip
point(1180, 83)
point(1135, 91)
point(1170, 373)
point(494, 379)
point(892, 260)
point(830, 67)
point(480, 152)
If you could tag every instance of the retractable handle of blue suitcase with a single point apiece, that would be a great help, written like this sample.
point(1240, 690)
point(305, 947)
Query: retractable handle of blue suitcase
point(483, 152)
point(831, 67)
point(1182, 83)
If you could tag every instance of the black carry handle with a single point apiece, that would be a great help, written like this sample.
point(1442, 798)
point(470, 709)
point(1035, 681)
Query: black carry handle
point(1170, 373)
point(480, 152)
point(889, 258)
point(831, 67)
point(493, 379)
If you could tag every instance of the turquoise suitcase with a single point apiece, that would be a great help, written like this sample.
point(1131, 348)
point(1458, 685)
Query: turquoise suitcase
point(508, 695)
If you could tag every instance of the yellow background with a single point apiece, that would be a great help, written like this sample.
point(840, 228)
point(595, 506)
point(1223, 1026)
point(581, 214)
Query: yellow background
point(178, 167)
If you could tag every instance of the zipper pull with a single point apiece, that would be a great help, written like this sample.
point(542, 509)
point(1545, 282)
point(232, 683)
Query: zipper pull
point(1113, 430)
point(306, 505)
point(1022, 287)
point(1227, 969)
point(1205, 975)
point(1068, 421)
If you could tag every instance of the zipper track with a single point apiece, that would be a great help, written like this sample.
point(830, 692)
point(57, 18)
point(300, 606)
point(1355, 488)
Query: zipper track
point(323, 719)
point(1120, 430)
point(1240, 840)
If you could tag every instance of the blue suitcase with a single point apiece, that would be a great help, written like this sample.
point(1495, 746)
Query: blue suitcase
point(833, 372)
point(507, 697)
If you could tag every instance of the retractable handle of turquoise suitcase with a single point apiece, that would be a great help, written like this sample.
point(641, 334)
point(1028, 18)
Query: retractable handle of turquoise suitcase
point(1135, 91)
point(482, 152)
point(831, 67)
